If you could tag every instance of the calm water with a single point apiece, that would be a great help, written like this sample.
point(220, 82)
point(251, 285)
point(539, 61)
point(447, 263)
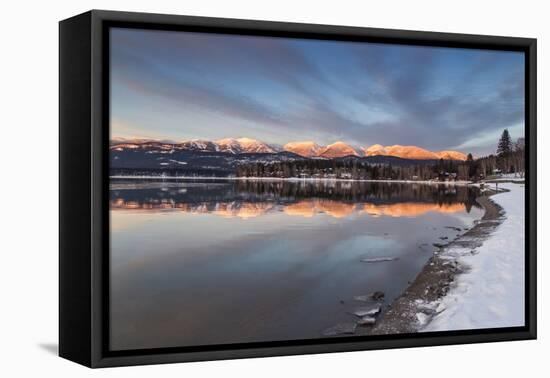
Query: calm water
point(214, 262)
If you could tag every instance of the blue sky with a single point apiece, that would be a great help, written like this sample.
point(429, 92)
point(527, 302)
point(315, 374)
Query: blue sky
point(179, 85)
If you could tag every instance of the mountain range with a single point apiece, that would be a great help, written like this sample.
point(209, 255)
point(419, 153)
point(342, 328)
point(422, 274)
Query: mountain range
point(307, 149)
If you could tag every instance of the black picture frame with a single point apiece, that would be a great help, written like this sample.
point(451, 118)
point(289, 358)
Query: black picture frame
point(83, 180)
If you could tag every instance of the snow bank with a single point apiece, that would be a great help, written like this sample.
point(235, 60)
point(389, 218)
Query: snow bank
point(491, 293)
point(514, 177)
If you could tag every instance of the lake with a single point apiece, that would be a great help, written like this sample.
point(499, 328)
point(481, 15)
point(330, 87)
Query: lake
point(202, 262)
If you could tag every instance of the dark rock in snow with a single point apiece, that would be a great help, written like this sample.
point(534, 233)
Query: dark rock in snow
point(367, 311)
point(375, 296)
point(378, 295)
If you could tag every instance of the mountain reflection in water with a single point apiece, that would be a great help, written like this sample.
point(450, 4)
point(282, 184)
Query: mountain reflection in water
point(248, 199)
point(233, 261)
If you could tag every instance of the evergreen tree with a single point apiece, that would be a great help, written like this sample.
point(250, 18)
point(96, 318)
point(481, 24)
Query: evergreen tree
point(471, 165)
point(504, 144)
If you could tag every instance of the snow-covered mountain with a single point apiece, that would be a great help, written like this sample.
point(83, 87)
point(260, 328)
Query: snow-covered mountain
point(197, 145)
point(245, 145)
point(412, 152)
point(141, 145)
point(308, 149)
point(338, 149)
point(230, 145)
point(375, 150)
point(451, 155)
point(305, 148)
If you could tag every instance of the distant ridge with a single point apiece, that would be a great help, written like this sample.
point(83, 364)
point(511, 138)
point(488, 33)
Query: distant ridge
point(412, 152)
point(338, 149)
point(307, 149)
point(245, 145)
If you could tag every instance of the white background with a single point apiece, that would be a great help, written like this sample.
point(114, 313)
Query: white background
point(29, 189)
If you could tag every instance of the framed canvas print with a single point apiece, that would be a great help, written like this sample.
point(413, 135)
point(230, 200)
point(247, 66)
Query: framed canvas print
point(233, 188)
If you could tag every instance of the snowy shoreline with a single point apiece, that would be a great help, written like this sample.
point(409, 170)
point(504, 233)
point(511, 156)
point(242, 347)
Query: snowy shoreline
point(290, 179)
point(491, 293)
point(475, 281)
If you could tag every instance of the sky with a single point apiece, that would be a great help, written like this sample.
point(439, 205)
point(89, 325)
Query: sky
point(171, 85)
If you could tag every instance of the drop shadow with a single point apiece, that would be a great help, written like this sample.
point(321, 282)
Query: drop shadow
point(51, 348)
